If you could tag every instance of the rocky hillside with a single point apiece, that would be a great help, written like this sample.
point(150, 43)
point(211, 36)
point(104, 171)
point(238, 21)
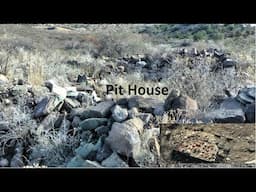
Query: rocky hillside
point(97, 95)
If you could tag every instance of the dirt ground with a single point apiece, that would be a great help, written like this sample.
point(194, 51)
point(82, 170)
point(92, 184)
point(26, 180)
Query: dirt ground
point(227, 145)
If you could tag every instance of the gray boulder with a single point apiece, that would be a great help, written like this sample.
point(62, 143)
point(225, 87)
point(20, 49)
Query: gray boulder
point(227, 116)
point(92, 123)
point(183, 102)
point(119, 114)
point(145, 104)
point(46, 106)
point(124, 139)
point(100, 110)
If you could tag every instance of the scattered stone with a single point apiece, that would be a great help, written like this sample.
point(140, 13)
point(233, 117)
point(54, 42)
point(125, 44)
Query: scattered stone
point(227, 116)
point(75, 112)
point(250, 113)
point(57, 90)
point(100, 110)
point(93, 123)
point(81, 79)
point(69, 104)
point(141, 63)
point(145, 104)
point(119, 114)
point(7, 102)
point(114, 161)
point(20, 82)
point(4, 162)
point(124, 139)
point(46, 106)
point(229, 63)
point(184, 102)
point(76, 121)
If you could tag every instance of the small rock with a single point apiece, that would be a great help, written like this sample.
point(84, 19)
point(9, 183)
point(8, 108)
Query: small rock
point(76, 121)
point(69, 104)
point(229, 63)
point(20, 82)
point(100, 110)
point(81, 79)
point(145, 104)
point(57, 90)
point(124, 139)
point(4, 162)
point(250, 113)
point(119, 114)
point(141, 63)
point(7, 102)
point(184, 102)
point(93, 123)
point(114, 161)
point(46, 106)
